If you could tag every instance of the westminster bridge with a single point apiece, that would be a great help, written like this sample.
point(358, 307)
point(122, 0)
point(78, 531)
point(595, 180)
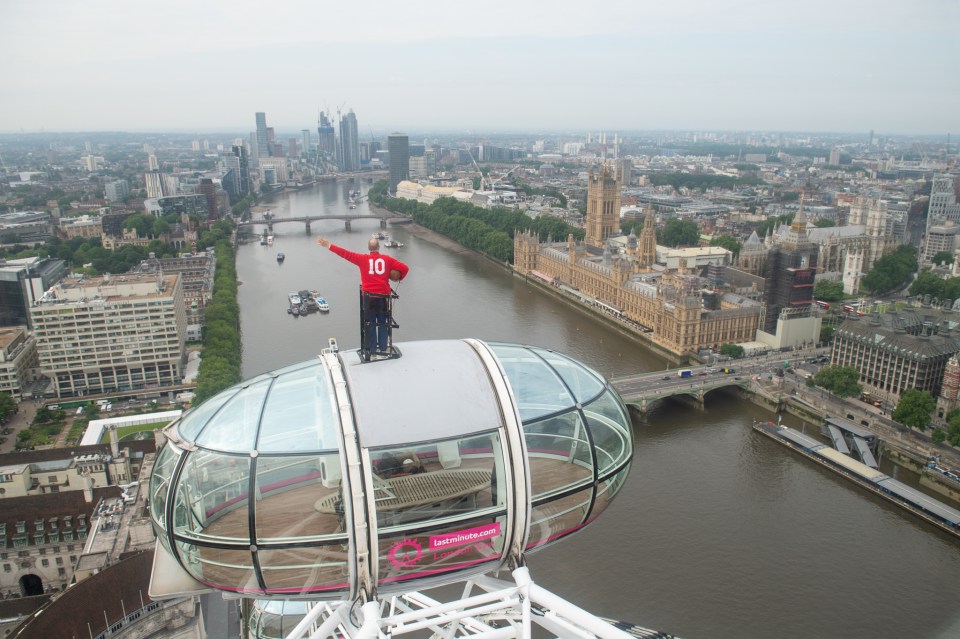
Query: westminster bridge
point(641, 390)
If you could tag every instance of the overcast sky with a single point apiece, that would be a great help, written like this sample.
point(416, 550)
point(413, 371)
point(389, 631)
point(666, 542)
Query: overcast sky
point(613, 65)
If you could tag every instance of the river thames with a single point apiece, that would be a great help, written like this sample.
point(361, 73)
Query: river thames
point(719, 532)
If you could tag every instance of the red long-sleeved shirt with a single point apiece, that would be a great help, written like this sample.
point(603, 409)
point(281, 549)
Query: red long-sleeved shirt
point(374, 269)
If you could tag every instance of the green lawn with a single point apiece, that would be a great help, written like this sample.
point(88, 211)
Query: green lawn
point(126, 432)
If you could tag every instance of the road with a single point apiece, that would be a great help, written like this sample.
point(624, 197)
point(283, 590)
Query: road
point(20, 420)
point(869, 417)
point(661, 382)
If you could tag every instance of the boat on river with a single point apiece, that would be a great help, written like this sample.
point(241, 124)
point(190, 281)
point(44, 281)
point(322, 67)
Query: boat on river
point(280, 258)
point(393, 244)
point(322, 304)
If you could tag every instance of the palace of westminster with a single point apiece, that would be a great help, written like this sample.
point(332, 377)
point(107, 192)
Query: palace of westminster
point(693, 299)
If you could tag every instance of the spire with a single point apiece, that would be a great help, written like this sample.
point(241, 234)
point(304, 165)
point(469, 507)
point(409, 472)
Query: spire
point(800, 221)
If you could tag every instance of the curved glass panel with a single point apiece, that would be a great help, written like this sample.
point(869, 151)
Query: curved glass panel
point(275, 619)
point(536, 386)
point(609, 429)
point(193, 421)
point(583, 382)
point(221, 568)
point(559, 454)
point(163, 469)
point(288, 488)
point(301, 413)
point(234, 427)
point(558, 518)
point(322, 569)
point(607, 490)
point(430, 501)
point(210, 502)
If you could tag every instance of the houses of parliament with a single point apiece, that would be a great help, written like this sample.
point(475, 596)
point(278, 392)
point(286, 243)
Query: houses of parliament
point(684, 309)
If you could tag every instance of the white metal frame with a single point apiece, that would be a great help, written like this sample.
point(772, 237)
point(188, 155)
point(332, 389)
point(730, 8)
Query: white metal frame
point(486, 608)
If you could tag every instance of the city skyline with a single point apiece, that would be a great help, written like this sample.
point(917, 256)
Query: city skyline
point(693, 65)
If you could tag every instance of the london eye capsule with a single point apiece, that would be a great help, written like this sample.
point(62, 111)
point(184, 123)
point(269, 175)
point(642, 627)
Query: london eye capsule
point(335, 477)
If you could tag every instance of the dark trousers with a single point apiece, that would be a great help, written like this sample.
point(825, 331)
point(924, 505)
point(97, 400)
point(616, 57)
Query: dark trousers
point(377, 320)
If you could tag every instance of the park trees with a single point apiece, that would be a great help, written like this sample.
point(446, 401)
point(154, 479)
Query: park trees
point(728, 242)
point(891, 271)
point(679, 232)
point(828, 291)
point(842, 381)
point(914, 408)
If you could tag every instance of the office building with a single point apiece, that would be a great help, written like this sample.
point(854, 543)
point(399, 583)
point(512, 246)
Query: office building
point(111, 333)
point(262, 148)
point(209, 191)
point(895, 351)
point(155, 184)
point(398, 147)
point(349, 142)
point(194, 204)
point(942, 209)
point(274, 170)
point(242, 168)
point(116, 190)
point(305, 141)
point(22, 282)
point(18, 358)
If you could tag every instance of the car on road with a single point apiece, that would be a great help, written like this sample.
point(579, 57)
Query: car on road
point(665, 378)
point(702, 373)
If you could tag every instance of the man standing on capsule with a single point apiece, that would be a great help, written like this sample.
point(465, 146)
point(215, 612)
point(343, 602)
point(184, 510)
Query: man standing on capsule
point(376, 272)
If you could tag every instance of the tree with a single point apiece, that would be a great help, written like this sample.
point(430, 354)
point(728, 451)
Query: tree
point(891, 271)
point(728, 242)
point(679, 232)
point(8, 405)
point(732, 350)
point(823, 223)
point(915, 408)
point(842, 381)
point(928, 283)
point(826, 333)
point(828, 291)
point(942, 257)
point(160, 227)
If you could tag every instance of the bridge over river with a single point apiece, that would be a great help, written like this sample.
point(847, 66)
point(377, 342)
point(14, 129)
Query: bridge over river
point(306, 220)
point(642, 389)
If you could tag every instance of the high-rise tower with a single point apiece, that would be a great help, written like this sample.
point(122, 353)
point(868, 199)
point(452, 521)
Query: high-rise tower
point(603, 206)
point(398, 144)
point(262, 149)
point(349, 142)
point(243, 169)
point(326, 136)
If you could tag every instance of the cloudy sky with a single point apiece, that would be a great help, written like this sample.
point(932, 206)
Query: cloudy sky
point(208, 65)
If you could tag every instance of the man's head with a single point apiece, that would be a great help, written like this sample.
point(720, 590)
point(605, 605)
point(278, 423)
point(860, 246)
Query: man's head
point(373, 244)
